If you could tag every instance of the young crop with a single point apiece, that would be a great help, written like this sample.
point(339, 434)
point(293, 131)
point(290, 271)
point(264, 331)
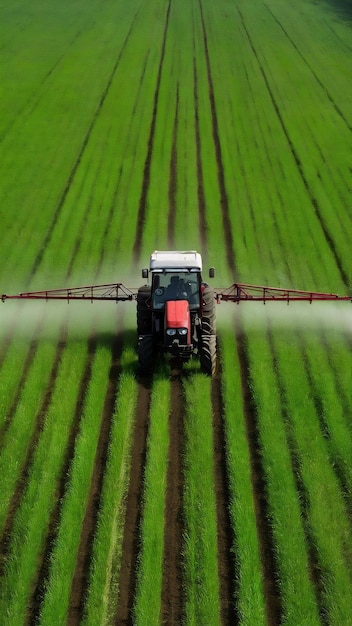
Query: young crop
point(200, 550)
point(64, 554)
point(193, 124)
point(250, 600)
point(149, 576)
point(106, 553)
point(33, 516)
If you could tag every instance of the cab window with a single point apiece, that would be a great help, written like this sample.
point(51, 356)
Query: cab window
point(175, 286)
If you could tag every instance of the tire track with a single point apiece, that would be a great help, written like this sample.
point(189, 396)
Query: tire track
point(320, 83)
point(225, 534)
point(339, 39)
point(173, 177)
point(313, 200)
point(43, 570)
point(131, 535)
point(271, 588)
point(33, 346)
point(225, 210)
point(28, 108)
point(172, 608)
point(32, 445)
point(147, 164)
point(81, 575)
point(74, 169)
point(203, 227)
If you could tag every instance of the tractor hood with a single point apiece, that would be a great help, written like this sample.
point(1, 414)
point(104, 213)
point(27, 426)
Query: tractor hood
point(177, 314)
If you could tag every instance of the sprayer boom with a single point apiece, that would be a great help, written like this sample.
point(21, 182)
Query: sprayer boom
point(239, 292)
point(113, 291)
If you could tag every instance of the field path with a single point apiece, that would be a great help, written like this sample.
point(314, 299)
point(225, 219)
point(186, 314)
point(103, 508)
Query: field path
point(226, 557)
point(171, 599)
point(130, 544)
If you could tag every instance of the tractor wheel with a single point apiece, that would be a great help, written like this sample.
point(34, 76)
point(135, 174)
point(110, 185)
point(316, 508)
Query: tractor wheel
point(207, 354)
point(207, 337)
point(208, 312)
point(146, 354)
point(144, 313)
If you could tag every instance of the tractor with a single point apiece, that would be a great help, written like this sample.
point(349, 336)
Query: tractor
point(176, 312)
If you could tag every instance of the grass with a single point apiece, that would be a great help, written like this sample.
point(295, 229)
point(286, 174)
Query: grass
point(79, 88)
point(250, 600)
point(33, 515)
point(64, 553)
point(149, 577)
point(201, 580)
point(102, 589)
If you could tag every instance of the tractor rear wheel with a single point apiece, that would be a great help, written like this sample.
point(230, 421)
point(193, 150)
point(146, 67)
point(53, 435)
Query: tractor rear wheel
point(207, 354)
point(144, 312)
point(207, 338)
point(146, 353)
point(208, 311)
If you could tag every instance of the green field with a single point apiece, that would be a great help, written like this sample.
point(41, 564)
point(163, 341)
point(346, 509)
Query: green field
point(222, 126)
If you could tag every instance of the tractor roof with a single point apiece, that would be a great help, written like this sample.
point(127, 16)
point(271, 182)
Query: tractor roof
point(175, 259)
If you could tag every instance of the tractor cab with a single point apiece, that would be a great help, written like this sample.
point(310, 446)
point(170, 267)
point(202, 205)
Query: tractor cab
point(176, 275)
point(175, 285)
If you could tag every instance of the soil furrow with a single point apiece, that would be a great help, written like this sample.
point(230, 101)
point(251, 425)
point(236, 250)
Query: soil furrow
point(265, 535)
point(200, 186)
point(341, 42)
point(147, 164)
point(54, 524)
point(171, 595)
point(173, 177)
point(7, 338)
point(74, 169)
point(225, 210)
point(81, 574)
point(17, 395)
point(31, 104)
point(225, 534)
point(131, 535)
point(327, 93)
point(32, 444)
point(313, 200)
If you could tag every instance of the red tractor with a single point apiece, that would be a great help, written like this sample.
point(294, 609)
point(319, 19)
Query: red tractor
point(176, 312)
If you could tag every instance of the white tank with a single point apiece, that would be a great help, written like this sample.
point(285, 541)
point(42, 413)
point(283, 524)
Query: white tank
point(176, 259)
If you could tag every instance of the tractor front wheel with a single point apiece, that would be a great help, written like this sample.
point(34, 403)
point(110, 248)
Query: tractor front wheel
point(144, 312)
point(146, 353)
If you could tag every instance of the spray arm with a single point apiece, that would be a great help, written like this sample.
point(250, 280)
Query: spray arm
point(239, 292)
point(112, 291)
